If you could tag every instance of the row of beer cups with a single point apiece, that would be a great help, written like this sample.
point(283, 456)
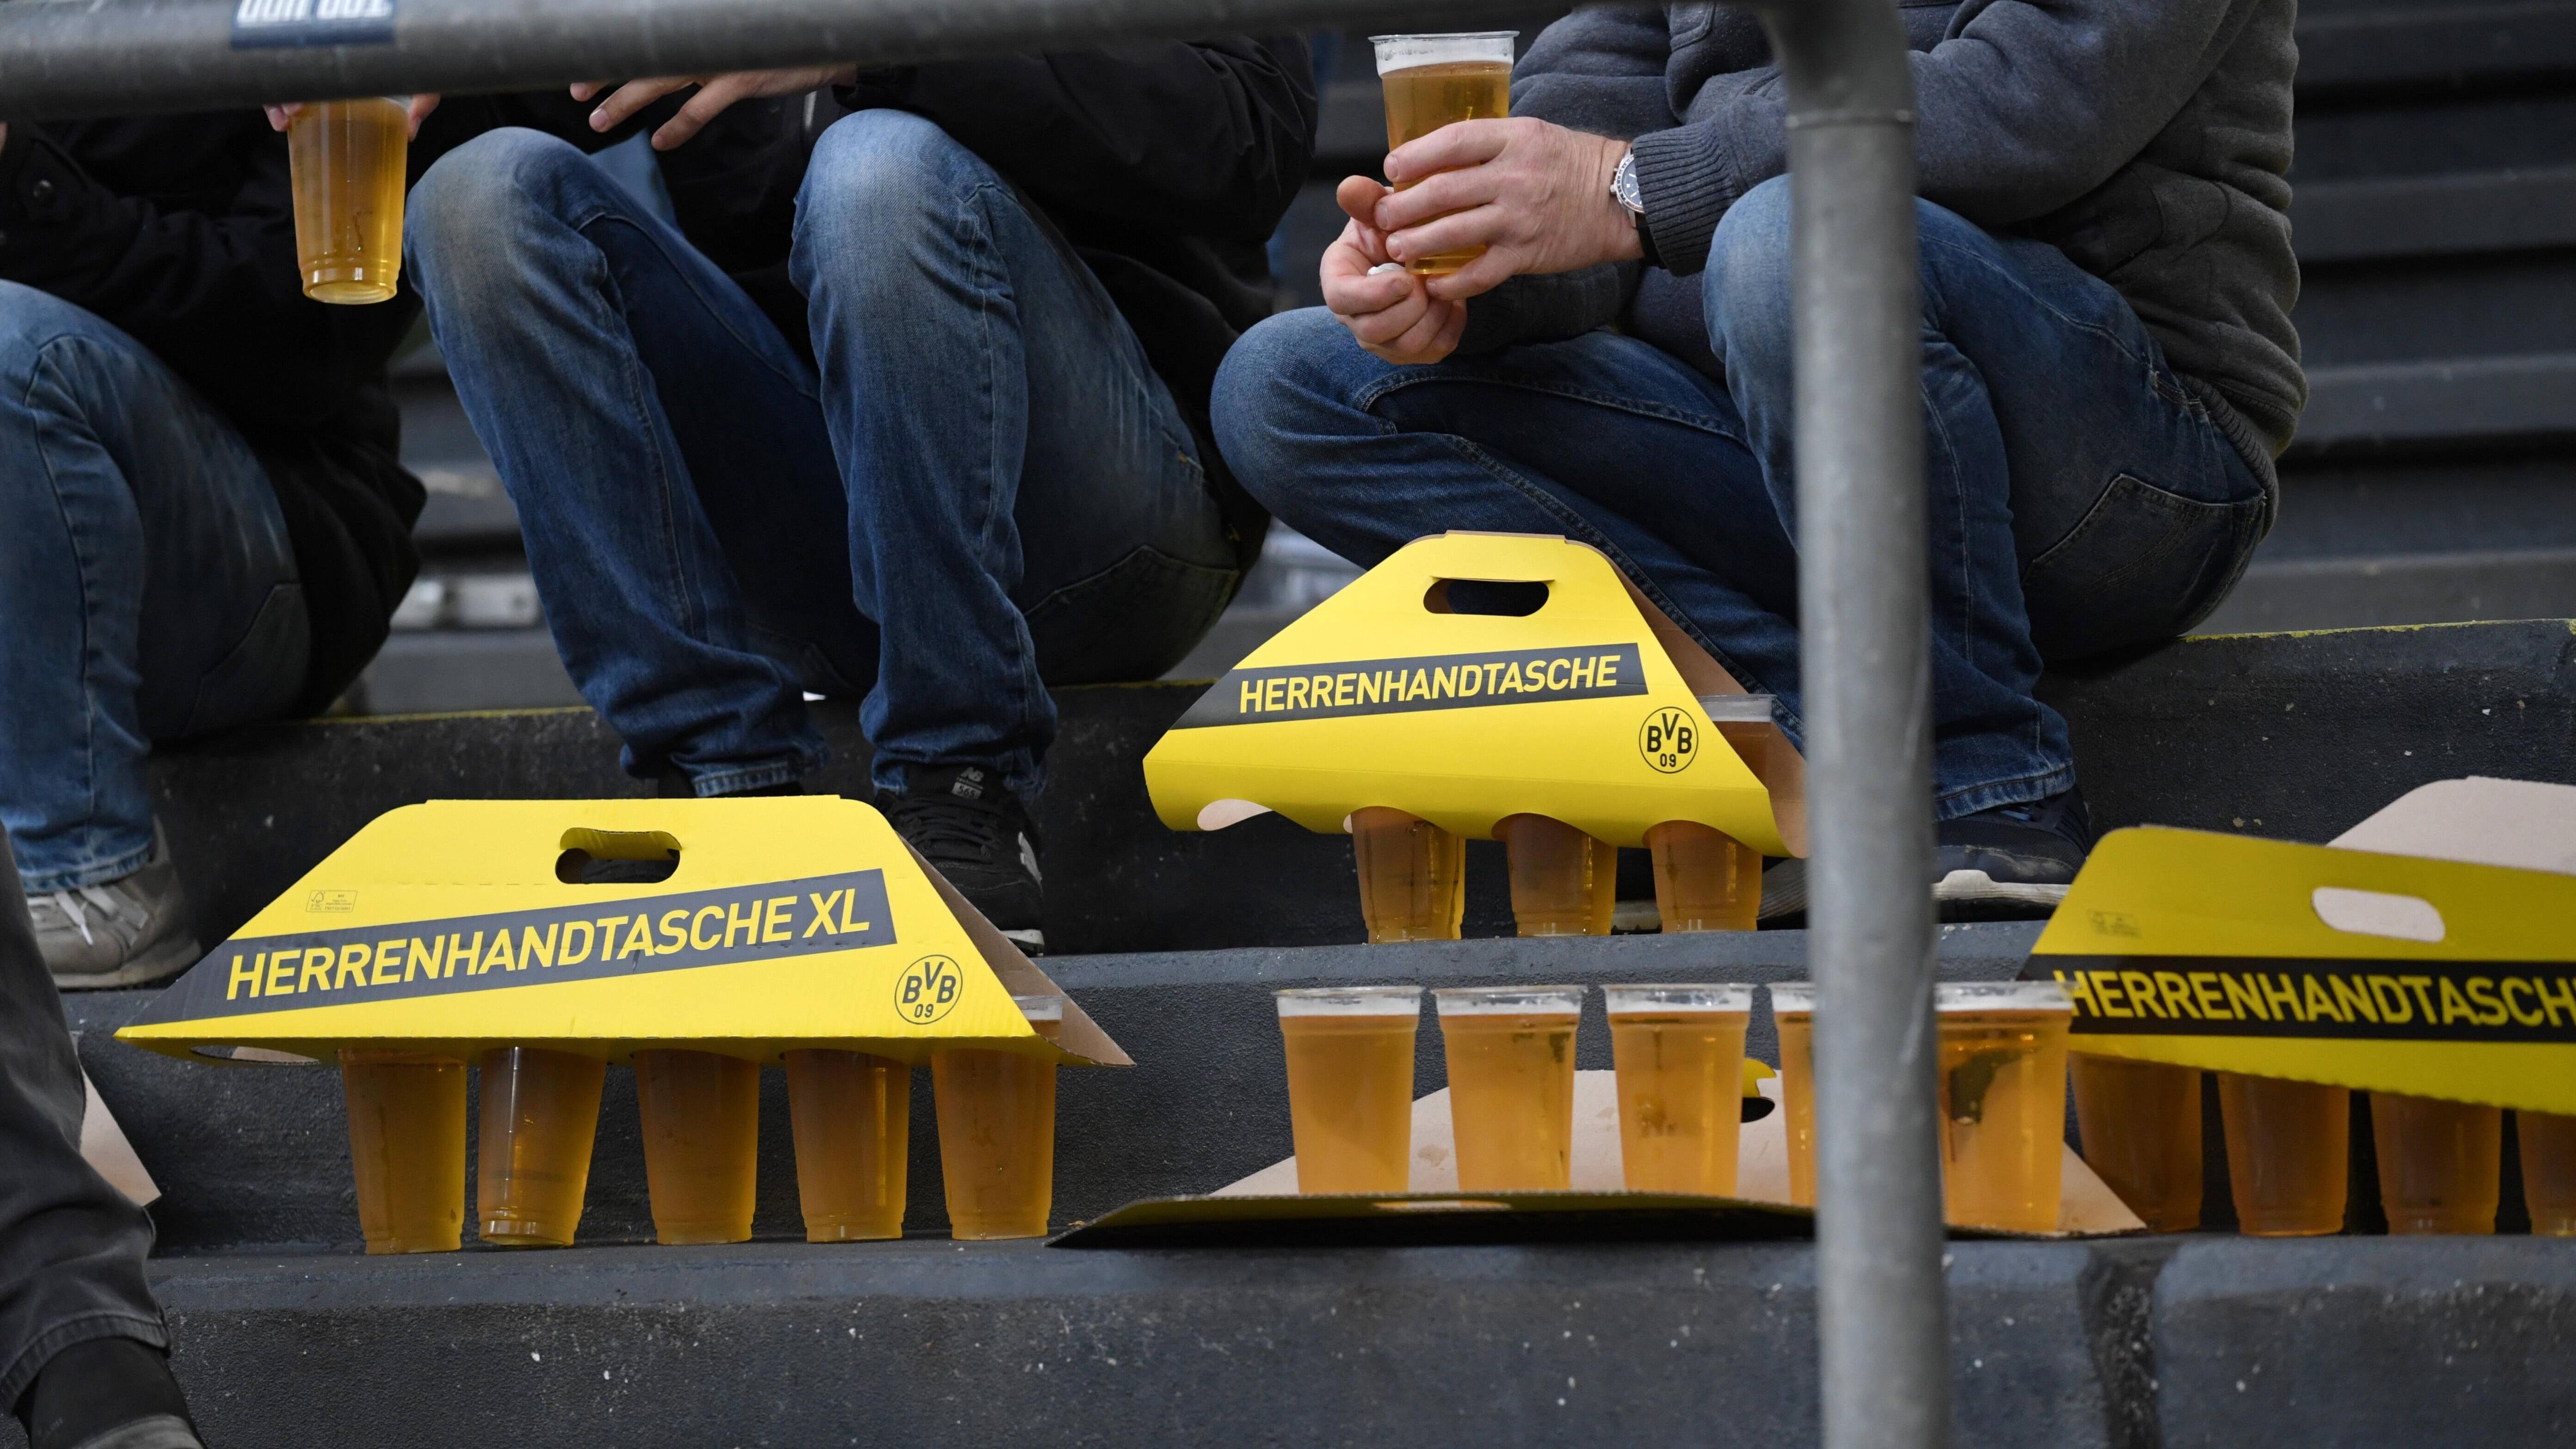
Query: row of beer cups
point(851, 1113)
point(1413, 877)
point(2002, 1073)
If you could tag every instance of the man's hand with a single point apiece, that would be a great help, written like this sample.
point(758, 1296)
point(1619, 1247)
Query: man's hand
point(1390, 312)
point(1535, 196)
point(280, 117)
point(715, 92)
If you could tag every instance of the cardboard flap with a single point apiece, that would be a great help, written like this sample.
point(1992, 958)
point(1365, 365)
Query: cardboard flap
point(1584, 709)
point(2400, 973)
point(784, 922)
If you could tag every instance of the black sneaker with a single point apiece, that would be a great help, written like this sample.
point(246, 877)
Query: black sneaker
point(107, 1393)
point(2013, 862)
point(980, 836)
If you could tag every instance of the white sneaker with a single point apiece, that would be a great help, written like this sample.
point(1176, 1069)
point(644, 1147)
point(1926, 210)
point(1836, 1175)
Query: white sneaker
point(128, 932)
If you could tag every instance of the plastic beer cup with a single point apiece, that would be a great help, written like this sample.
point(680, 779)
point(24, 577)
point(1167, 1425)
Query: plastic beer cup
point(997, 1132)
point(1433, 81)
point(2548, 1171)
point(1704, 880)
point(852, 1116)
point(2141, 1127)
point(345, 167)
point(701, 1115)
point(2001, 1057)
point(540, 1118)
point(2288, 1152)
point(1511, 1084)
point(1350, 1084)
point(1679, 1051)
point(1793, 1012)
point(2440, 1163)
point(1413, 876)
point(406, 1148)
point(1564, 882)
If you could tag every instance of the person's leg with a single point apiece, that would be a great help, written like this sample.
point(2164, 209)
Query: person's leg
point(151, 592)
point(1024, 503)
point(71, 1245)
point(2080, 498)
point(666, 453)
point(1602, 439)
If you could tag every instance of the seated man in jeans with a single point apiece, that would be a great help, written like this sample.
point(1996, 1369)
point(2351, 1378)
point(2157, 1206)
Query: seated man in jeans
point(2108, 364)
point(959, 461)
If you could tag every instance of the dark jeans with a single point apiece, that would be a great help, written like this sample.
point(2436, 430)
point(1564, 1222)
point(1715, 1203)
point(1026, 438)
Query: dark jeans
point(71, 1246)
point(984, 488)
point(2081, 497)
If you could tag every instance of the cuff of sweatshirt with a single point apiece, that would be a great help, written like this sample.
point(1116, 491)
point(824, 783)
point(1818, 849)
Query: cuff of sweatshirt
point(1687, 181)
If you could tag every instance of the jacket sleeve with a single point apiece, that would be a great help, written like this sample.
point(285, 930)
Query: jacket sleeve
point(217, 296)
point(2028, 106)
point(1209, 137)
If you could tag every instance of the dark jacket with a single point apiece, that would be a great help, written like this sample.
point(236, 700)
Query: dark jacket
point(2149, 140)
point(181, 231)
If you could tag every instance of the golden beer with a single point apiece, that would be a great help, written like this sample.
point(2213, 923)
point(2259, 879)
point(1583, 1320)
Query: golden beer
point(1350, 1085)
point(406, 1148)
point(1564, 882)
point(1511, 1084)
point(1679, 1051)
point(2288, 1154)
point(2141, 1127)
point(2440, 1163)
point(1704, 880)
point(345, 166)
point(1432, 81)
point(852, 1117)
point(701, 1115)
point(2548, 1171)
point(997, 1132)
point(1793, 1012)
point(540, 1118)
point(1413, 876)
point(2001, 1061)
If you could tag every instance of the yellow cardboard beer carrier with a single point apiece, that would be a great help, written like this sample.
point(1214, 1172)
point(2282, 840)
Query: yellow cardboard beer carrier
point(454, 926)
point(1586, 710)
point(2407, 957)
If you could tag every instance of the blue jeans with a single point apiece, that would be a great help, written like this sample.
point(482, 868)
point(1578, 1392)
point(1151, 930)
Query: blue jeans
point(147, 586)
point(983, 489)
point(2081, 498)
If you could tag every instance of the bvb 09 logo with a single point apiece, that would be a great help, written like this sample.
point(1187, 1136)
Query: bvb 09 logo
point(1668, 740)
point(927, 989)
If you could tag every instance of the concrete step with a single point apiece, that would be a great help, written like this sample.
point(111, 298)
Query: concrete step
point(2407, 1343)
point(257, 1157)
point(2290, 735)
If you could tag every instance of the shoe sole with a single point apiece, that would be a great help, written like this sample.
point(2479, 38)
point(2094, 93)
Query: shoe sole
point(1962, 886)
point(1030, 939)
point(160, 963)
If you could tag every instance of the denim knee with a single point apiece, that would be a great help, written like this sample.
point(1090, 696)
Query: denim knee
point(1289, 387)
point(29, 320)
point(1745, 292)
point(469, 224)
point(877, 177)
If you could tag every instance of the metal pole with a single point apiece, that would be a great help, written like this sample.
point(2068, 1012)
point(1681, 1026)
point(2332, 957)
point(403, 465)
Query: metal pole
point(70, 58)
point(1863, 599)
point(1862, 589)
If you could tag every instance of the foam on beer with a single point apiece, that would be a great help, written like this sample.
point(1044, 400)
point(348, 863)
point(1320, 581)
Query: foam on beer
point(1404, 52)
point(1627, 1000)
point(1997, 996)
point(1509, 1000)
point(1351, 1001)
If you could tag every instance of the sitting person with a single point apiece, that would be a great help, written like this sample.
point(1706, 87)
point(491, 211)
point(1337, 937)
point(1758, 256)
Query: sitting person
point(2108, 364)
point(202, 521)
point(960, 459)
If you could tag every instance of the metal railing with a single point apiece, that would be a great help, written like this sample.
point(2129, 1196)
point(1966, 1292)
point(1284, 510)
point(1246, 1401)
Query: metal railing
point(1860, 501)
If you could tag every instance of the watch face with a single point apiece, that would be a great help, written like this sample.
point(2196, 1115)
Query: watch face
point(1623, 184)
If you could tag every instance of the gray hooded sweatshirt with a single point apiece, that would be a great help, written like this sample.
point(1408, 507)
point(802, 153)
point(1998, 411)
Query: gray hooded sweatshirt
point(2148, 140)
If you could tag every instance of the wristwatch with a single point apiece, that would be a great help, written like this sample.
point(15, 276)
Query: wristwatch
point(1623, 189)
